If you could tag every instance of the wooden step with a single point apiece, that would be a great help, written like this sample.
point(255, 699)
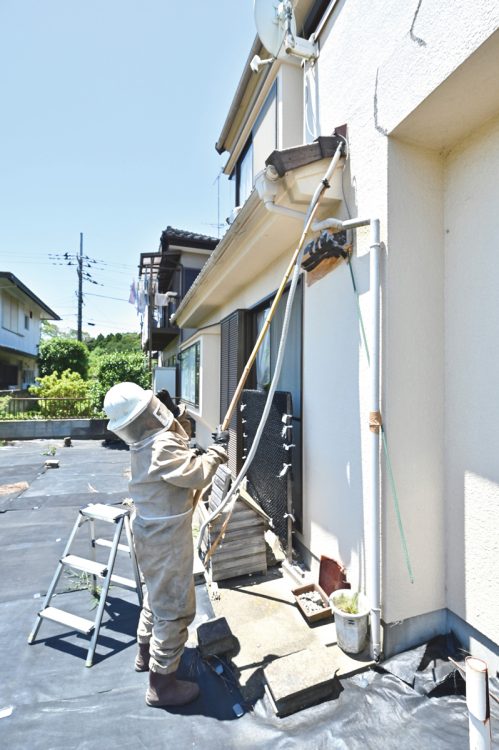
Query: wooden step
point(81, 624)
point(87, 566)
point(101, 512)
point(108, 543)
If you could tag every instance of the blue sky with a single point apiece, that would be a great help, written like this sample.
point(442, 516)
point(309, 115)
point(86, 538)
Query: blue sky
point(110, 113)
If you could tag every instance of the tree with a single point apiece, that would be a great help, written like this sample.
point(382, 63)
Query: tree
point(69, 391)
point(120, 367)
point(60, 354)
point(49, 330)
point(114, 342)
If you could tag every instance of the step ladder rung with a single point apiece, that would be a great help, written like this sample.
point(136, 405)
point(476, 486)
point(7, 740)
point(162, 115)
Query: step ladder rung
point(87, 566)
point(66, 618)
point(101, 512)
point(124, 583)
point(108, 543)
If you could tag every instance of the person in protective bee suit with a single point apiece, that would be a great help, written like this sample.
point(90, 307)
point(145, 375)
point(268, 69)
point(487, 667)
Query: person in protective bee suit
point(164, 473)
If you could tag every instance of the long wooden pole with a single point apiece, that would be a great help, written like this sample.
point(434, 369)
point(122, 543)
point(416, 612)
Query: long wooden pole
point(279, 293)
point(313, 210)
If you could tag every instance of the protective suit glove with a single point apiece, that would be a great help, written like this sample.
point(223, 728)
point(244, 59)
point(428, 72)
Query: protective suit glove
point(221, 437)
point(167, 400)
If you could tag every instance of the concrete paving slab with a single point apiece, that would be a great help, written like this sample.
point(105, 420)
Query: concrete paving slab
point(215, 637)
point(302, 679)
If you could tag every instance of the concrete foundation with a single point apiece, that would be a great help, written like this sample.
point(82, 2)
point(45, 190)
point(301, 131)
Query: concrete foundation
point(33, 429)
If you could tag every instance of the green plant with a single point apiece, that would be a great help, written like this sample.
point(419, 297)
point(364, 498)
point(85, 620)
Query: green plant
point(69, 391)
point(50, 451)
point(4, 407)
point(82, 581)
point(119, 367)
point(60, 354)
point(348, 603)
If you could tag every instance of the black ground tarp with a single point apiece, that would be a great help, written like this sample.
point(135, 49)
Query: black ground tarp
point(50, 701)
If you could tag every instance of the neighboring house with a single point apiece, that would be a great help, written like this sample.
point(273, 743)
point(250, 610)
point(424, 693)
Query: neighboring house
point(21, 313)
point(165, 277)
point(415, 84)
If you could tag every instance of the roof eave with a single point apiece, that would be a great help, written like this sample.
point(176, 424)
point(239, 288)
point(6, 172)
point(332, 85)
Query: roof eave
point(256, 48)
point(51, 315)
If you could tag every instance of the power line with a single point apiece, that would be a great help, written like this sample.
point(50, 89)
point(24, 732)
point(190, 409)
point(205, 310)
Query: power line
point(105, 296)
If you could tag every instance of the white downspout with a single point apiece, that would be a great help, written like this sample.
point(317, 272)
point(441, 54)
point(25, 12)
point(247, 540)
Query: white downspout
point(267, 188)
point(374, 572)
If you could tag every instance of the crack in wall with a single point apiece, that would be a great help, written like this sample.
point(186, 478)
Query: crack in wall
point(417, 39)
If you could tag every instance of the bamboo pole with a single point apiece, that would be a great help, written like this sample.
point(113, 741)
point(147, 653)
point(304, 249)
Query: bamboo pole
point(251, 360)
point(314, 205)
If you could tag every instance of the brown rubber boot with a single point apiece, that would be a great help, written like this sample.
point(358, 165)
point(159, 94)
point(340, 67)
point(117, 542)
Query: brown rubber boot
point(166, 690)
point(142, 658)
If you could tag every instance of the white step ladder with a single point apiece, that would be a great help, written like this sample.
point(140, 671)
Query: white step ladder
point(94, 512)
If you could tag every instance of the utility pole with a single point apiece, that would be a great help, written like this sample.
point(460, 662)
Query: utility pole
point(80, 288)
point(84, 266)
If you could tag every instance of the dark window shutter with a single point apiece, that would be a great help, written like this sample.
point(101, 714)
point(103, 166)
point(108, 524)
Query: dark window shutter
point(234, 331)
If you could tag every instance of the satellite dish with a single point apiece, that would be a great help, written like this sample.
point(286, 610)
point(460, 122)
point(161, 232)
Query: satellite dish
point(274, 20)
point(276, 26)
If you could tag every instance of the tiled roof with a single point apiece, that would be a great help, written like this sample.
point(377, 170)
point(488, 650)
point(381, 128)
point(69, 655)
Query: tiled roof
point(172, 236)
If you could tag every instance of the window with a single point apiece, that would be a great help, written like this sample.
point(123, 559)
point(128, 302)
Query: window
point(261, 143)
point(10, 313)
point(189, 374)
point(190, 275)
point(244, 174)
point(26, 322)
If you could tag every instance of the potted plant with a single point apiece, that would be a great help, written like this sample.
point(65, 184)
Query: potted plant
point(351, 613)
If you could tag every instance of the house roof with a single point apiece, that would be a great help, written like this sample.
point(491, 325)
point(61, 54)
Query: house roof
point(183, 238)
point(51, 315)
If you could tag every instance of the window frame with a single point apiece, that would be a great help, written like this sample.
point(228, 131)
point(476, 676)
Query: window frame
point(183, 355)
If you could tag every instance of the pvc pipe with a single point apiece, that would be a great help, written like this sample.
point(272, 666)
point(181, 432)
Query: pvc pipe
point(477, 700)
point(374, 572)
point(331, 223)
point(275, 209)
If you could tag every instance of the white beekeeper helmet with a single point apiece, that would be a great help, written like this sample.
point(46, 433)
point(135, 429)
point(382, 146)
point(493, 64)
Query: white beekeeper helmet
point(135, 413)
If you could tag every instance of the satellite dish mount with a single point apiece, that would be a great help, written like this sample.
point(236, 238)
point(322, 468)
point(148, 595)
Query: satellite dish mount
point(276, 27)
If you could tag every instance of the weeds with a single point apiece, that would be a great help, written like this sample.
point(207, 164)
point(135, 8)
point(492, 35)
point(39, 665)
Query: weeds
point(82, 581)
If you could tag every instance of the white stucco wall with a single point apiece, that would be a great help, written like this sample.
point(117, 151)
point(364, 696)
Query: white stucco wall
point(25, 340)
point(413, 382)
point(471, 379)
point(378, 64)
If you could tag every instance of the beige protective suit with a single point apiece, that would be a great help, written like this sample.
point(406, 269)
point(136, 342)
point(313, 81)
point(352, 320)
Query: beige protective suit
point(165, 471)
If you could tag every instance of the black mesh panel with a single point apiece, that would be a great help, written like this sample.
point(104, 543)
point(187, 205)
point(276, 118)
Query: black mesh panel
point(265, 484)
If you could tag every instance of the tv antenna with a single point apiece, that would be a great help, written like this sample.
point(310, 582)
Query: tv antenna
point(276, 26)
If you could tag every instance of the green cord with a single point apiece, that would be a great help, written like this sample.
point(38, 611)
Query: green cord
point(385, 445)
point(364, 337)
